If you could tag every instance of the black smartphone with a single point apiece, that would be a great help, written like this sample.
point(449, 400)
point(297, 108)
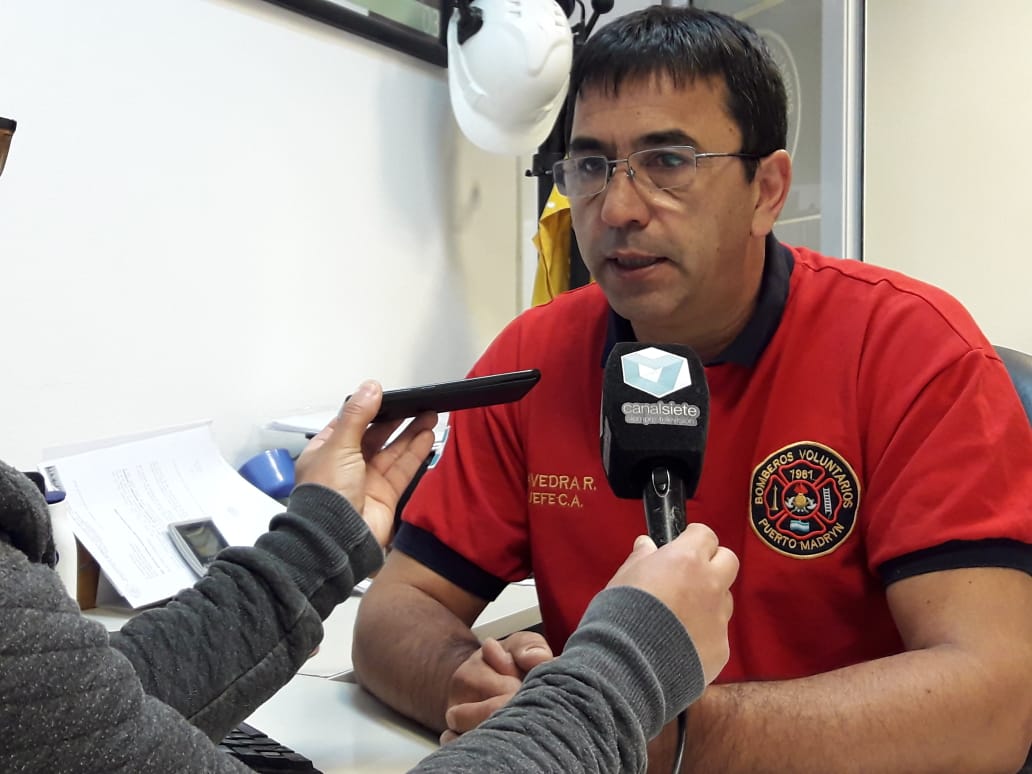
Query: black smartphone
point(457, 395)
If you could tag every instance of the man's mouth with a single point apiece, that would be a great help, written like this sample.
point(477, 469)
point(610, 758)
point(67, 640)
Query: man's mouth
point(628, 262)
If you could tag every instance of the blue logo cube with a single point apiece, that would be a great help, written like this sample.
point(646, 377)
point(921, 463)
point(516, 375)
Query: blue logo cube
point(656, 372)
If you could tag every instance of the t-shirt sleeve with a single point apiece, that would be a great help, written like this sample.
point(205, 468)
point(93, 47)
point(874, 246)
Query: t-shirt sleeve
point(951, 478)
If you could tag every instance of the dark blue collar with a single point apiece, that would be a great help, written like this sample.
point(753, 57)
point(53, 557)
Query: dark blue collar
point(748, 345)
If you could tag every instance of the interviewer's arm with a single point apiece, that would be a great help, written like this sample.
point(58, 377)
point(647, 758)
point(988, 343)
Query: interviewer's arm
point(645, 648)
point(960, 699)
point(629, 668)
point(222, 647)
point(68, 701)
point(72, 701)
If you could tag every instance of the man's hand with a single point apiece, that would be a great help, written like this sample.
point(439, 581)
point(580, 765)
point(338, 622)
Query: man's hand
point(351, 459)
point(489, 678)
point(691, 575)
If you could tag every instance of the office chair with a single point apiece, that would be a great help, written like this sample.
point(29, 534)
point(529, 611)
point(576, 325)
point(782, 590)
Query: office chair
point(1019, 366)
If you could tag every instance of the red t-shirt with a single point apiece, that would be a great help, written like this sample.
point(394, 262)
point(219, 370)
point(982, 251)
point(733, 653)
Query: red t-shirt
point(862, 430)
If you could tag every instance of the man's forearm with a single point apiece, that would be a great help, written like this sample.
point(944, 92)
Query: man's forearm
point(936, 710)
point(410, 673)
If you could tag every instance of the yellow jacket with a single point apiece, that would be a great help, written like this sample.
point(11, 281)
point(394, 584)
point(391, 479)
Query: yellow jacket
point(553, 245)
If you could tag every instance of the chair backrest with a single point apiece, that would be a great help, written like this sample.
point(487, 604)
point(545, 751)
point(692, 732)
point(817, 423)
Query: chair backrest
point(1019, 366)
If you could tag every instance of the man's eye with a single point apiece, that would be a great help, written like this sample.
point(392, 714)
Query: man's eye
point(591, 165)
point(664, 159)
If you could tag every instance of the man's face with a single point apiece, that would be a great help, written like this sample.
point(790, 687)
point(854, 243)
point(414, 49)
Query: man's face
point(682, 265)
point(6, 133)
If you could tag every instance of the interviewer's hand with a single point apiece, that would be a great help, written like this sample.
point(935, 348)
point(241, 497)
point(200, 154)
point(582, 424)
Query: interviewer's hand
point(488, 679)
point(349, 455)
point(691, 575)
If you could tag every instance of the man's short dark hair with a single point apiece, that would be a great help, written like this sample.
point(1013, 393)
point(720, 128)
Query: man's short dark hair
point(7, 127)
point(685, 44)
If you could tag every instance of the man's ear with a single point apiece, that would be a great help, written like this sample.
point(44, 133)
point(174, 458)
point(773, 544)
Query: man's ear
point(772, 181)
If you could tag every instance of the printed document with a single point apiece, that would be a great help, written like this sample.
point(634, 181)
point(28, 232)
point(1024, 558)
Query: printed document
point(121, 499)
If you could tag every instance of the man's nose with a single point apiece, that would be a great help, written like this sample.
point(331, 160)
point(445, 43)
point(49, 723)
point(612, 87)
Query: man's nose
point(624, 201)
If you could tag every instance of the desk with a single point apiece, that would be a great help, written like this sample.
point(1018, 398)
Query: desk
point(516, 608)
point(341, 728)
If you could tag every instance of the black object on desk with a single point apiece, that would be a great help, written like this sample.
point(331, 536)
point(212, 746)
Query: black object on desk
point(254, 749)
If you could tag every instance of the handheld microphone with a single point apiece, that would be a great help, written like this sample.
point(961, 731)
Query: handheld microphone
point(655, 414)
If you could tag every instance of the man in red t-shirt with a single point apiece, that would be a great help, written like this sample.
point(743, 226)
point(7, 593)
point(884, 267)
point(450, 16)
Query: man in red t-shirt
point(868, 459)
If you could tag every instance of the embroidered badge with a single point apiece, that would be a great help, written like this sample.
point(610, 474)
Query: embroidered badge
point(803, 500)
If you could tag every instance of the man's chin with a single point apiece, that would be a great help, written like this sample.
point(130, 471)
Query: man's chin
point(643, 316)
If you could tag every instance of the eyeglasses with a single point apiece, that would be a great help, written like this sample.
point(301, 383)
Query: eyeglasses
point(7, 127)
point(655, 168)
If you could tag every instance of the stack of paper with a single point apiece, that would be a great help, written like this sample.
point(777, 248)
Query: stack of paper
point(309, 424)
point(121, 499)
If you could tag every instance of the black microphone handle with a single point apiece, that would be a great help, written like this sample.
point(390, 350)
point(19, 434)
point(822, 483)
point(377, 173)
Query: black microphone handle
point(664, 505)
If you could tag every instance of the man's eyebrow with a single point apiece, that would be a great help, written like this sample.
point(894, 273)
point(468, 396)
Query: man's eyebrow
point(650, 140)
point(665, 137)
point(581, 144)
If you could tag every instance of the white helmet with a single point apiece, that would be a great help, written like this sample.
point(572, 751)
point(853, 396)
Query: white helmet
point(508, 81)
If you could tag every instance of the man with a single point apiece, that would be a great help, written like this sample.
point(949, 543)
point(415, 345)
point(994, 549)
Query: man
point(153, 696)
point(868, 459)
point(7, 127)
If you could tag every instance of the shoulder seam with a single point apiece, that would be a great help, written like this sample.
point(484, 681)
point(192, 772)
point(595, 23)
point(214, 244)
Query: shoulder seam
point(889, 280)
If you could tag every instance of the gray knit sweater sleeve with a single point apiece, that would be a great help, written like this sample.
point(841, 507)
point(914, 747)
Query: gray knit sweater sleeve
point(68, 702)
point(221, 648)
point(149, 699)
point(628, 669)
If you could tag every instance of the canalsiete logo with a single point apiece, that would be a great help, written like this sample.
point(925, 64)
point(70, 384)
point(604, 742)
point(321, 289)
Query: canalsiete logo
point(658, 374)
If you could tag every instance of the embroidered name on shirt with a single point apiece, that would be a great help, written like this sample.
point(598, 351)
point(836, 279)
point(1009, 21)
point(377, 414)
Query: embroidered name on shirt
point(556, 489)
point(803, 500)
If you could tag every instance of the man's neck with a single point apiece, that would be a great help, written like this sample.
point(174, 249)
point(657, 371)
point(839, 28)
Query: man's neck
point(709, 332)
point(707, 342)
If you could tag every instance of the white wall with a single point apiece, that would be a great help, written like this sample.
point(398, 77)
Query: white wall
point(948, 122)
point(220, 209)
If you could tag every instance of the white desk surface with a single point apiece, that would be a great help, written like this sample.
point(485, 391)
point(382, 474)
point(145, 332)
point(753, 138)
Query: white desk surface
point(341, 728)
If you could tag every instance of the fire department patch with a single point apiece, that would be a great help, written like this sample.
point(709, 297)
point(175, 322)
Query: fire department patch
point(803, 500)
